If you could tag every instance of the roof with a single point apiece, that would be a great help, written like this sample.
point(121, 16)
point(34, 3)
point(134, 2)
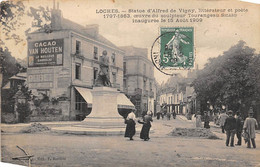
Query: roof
point(90, 31)
point(86, 31)
point(19, 76)
point(134, 51)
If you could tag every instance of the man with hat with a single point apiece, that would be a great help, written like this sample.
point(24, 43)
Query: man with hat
point(249, 126)
point(230, 128)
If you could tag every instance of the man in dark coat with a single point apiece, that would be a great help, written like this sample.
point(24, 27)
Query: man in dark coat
point(230, 128)
point(174, 115)
point(130, 126)
point(146, 126)
point(239, 125)
point(206, 120)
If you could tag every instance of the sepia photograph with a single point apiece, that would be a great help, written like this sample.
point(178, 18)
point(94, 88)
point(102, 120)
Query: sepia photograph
point(130, 83)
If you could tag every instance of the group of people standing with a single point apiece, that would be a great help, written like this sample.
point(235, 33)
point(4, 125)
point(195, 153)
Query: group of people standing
point(199, 120)
point(130, 125)
point(237, 126)
point(166, 114)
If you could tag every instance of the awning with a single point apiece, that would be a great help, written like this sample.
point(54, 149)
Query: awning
point(124, 102)
point(86, 94)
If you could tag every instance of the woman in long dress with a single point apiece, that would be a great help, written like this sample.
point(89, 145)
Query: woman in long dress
point(198, 120)
point(146, 126)
point(130, 125)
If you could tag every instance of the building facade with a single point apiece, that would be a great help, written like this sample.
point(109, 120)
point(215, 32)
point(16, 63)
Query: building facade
point(139, 82)
point(173, 100)
point(178, 94)
point(63, 63)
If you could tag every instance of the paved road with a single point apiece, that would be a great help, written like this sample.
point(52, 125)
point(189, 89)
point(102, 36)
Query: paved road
point(162, 150)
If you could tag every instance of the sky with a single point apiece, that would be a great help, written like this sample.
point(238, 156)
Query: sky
point(213, 36)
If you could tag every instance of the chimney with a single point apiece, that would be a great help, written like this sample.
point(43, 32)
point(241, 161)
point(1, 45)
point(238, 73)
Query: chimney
point(92, 30)
point(56, 17)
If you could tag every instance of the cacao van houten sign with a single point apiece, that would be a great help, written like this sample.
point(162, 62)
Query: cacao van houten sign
point(45, 53)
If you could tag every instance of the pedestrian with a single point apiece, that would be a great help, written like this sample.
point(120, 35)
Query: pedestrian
point(130, 125)
point(222, 118)
point(249, 127)
point(162, 114)
point(146, 126)
point(230, 128)
point(239, 122)
point(168, 115)
point(158, 115)
point(174, 114)
point(206, 120)
point(198, 120)
point(216, 115)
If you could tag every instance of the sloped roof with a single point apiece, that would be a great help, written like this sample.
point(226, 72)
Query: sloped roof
point(19, 76)
point(83, 30)
point(68, 24)
point(134, 51)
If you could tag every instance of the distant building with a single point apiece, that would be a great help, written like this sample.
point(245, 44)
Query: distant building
point(63, 64)
point(173, 95)
point(139, 82)
point(174, 100)
point(178, 95)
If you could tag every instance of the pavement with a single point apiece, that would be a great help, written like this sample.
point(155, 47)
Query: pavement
point(53, 149)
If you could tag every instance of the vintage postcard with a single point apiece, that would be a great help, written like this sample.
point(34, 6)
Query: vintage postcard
point(130, 83)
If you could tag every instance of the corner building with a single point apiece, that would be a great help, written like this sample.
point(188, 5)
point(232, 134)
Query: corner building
point(63, 64)
point(139, 82)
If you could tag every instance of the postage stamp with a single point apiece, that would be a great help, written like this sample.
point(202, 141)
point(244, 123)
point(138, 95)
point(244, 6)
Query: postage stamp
point(174, 49)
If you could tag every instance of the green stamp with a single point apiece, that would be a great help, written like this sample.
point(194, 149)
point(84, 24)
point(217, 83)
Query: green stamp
point(174, 49)
point(177, 48)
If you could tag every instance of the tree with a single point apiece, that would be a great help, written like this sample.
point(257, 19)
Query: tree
point(225, 79)
point(10, 15)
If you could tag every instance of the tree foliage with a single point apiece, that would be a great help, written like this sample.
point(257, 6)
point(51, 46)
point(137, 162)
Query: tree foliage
point(231, 79)
point(10, 15)
point(8, 64)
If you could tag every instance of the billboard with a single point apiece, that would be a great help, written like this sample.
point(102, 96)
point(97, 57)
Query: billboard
point(45, 53)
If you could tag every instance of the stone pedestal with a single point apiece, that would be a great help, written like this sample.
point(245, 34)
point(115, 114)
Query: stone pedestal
point(104, 118)
point(104, 112)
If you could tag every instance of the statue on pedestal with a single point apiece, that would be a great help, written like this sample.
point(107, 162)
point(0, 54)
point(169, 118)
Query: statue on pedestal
point(103, 75)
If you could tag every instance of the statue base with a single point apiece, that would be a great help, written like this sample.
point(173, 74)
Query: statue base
point(104, 112)
point(104, 118)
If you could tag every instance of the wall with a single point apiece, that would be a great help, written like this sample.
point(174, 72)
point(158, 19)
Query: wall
point(54, 78)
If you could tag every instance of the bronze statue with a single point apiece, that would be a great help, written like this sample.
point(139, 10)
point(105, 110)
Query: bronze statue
point(103, 75)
